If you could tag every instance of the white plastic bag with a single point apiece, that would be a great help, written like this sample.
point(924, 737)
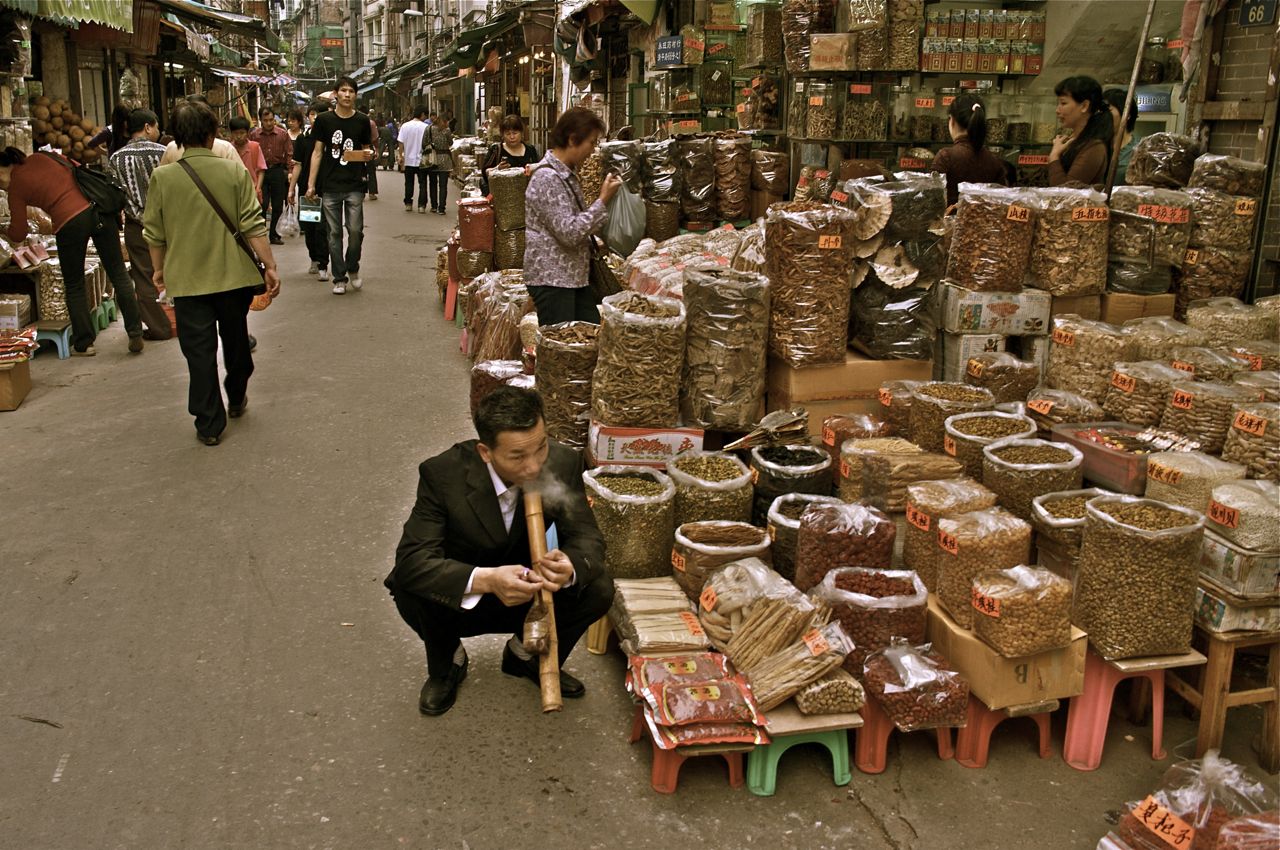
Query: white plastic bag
point(627, 221)
point(288, 226)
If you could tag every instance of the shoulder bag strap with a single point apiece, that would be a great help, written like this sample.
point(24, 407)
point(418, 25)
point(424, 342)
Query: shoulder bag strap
point(217, 208)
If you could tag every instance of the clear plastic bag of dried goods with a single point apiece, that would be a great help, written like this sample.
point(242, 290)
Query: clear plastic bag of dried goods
point(971, 543)
point(1082, 353)
point(474, 263)
point(626, 224)
point(1154, 337)
point(1019, 469)
point(1251, 832)
point(1229, 174)
point(1203, 364)
point(1139, 564)
point(778, 470)
point(1228, 320)
point(1138, 277)
point(927, 502)
point(834, 536)
point(1192, 805)
point(932, 402)
point(710, 485)
point(765, 101)
point(835, 693)
point(1155, 226)
point(1221, 220)
point(859, 15)
point(1022, 610)
point(1139, 391)
point(488, 375)
point(1203, 411)
point(733, 177)
point(784, 528)
point(751, 249)
point(967, 434)
point(697, 161)
point(800, 19)
point(1069, 250)
point(475, 223)
point(507, 186)
point(770, 171)
point(1247, 513)
point(1256, 354)
point(1058, 521)
point(916, 687)
point(1188, 478)
point(874, 606)
point(895, 405)
point(591, 176)
point(1006, 377)
point(991, 244)
point(695, 44)
point(703, 547)
point(637, 379)
point(893, 324)
point(566, 360)
point(751, 612)
point(1264, 384)
point(780, 675)
point(625, 159)
point(850, 426)
point(1254, 438)
point(724, 363)
point(500, 339)
point(850, 477)
point(635, 511)
point(1210, 273)
point(661, 175)
point(1163, 159)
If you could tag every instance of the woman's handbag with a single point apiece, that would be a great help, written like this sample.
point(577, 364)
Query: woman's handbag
point(235, 231)
point(600, 276)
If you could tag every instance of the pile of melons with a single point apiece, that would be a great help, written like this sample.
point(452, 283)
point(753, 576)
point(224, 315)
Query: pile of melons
point(54, 122)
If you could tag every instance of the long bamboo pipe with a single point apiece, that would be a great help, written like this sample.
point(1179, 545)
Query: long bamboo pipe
point(549, 661)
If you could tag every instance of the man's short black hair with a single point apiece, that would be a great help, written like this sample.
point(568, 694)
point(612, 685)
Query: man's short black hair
point(506, 409)
point(238, 123)
point(345, 81)
point(420, 112)
point(193, 123)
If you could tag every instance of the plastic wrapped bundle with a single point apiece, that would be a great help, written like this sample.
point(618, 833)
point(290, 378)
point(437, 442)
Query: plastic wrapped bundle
point(1229, 320)
point(726, 341)
point(1247, 513)
point(488, 375)
point(971, 543)
point(1210, 273)
point(934, 401)
point(1188, 478)
point(853, 455)
point(697, 161)
point(779, 470)
point(764, 35)
point(1058, 520)
point(915, 203)
point(1019, 469)
point(508, 249)
point(1082, 354)
point(710, 485)
point(1220, 220)
point(782, 675)
point(1007, 378)
point(1248, 832)
point(800, 19)
point(662, 219)
point(1022, 611)
point(751, 612)
point(1155, 225)
point(507, 186)
point(703, 547)
point(661, 172)
point(1203, 364)
point(1069, 251)
point(765, 101)
point(850, 426)
point(695, 44)
point(1155, 337)
point(1202, 411)
point(1139, 564)
point(886, 476)
point(967, 434)
point(1139, 392)
point(635, 511)
point(637, 379)
point(874, 606)
point(893, 324)
point(475, 223)
point(784, 528)
point(733, 176)
point(566, 360)
point(834, 536)
point(1163, 159)
point(928, 502)
point(751, 250)
point(1138, 277)
point(1265, 384)
point(653, 615)
point(916, 687)
point(810, 250)
point(1254, 438)
point(1229, 174)
point(991, 244)
point(770, 171)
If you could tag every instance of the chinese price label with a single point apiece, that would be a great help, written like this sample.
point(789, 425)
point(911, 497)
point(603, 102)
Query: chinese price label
point(708, 598)
point(984, 604)
point(886, 397)
point(844, 468)
point(1223, 515)
point(1246, 206)
point(1091, 214)
point(839, 197)
point(1124, 383)
point(1033, 159)
point(817, 100)
point(816, 642)
point(1061, 337)
point(1165, 215)
point(910, 162)
point(691, 623)
point(917, 517)
point(1017, 213)
point(948, 543)
point(829, 243)
point(677, 560)
point(1163, 474)
point(1250, 424)
point(755, 476)
point(773, 533)
point(1182, 399)
point(948, 100)
point(1192, 257)
point(1184, 366)
point(828, 435)
point(925, 103)
point(859, 88)
point(949, 444)
point(1163, 824)
point(1041, 406)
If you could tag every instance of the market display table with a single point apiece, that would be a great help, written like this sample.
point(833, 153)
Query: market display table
point(1214, 696)
point(787, 727)
point(974, 740)
point(1090, 712)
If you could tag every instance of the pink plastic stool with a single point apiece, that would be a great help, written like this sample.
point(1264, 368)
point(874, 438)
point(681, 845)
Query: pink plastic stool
point(873, 739)
point(1090, 712)
point(974, 740)
point(667, 763)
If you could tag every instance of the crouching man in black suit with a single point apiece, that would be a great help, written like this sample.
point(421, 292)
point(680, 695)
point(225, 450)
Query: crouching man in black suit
point(462, 566)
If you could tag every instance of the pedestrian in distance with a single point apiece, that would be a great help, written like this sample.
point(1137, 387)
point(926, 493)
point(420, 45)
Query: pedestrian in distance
point(192, 208)
point(439, 146)
point(339, 173)
point(409, 144)
point(314, 233)
point(277, 151)
point(250, 153)
point(132, 166)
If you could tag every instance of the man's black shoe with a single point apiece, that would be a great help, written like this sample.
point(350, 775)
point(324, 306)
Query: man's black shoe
point(437, 695)
point(276, 240)
point(235, 411)
point(253, 343)
point(570, 688)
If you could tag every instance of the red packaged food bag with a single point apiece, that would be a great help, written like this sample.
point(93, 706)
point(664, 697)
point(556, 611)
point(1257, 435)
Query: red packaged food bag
point(711, 701)
point(695, 734)
point(645, 674)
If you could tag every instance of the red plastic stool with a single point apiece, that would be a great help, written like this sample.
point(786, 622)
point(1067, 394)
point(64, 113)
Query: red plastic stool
point(667, 763)
point(974, 740)
point(873, 739)
point(1090, 712)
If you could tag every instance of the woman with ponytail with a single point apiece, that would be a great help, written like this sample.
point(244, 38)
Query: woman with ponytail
point(1082, 152)
point(968, 160)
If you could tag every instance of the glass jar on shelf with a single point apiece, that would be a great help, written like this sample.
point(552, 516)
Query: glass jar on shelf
point(823, 112)
point(797, 108)
point(865, 118)
point(1173, 70)
point(716, 79)
point(924, 116)
point(902, 106)
point(1155, 60)
point(1044, 121)
point(1018, 119)
point(659, 93)
point(766, 102)
point(997, 119)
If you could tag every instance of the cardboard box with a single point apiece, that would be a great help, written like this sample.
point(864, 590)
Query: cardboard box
point(15, 311)
point(1217, 611)
point(760, 201)
point(1118, 308)
point(965, 311)
point(833, 51)
point(607, 444)
point(1084, 306)
point(15, 383)
point(1033, 349)
point(1001, 682)
point(1243, 572)
point(956, 349)
point(858, 378)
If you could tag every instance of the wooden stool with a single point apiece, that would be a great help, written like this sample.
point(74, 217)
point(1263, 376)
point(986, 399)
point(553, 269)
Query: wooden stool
point(1214, 696)
point(873, 739)
point(665, 775)
point(1090, 712)
point(598, 636)
point(788, 727)
point(974, 740)
point(57, 331)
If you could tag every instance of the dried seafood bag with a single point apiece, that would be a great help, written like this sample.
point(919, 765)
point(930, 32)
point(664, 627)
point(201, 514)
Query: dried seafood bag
point(1203, 411)
point(784, 528)
point(716, 81)
point(1155, 227)
point(1007, 378)
point(1138, 277)
point(1220, 220)
point(726, 338)
point(751, 250)
point(733, 176)
point(971, 543)
point(770, 171)
point(928, 502)
point(1254, 438)
point(1058, 520)
point(654, 615)
point(800, 19)
point(1247, 513)
point(1203, 364)
point(1139, 391)
point(1210, 273)
point(1229, 320)
point(1019, 469)
point(874, 607)
point(764, 35)
point(780, 676)
point(967, 434)
point(660, 172)
point(475, 224)
point(662, 219)
point(764, 101)
point(1155, 337)
point(834, 536)
point(851, 476)
point(1196, 804)
point(810, 251)
point(893, 324)
point(1069, 249)
point(1257, 355)
point(886, 476)
point(1082, 354)
point(1265, 384)
point(637, 379)
point(625, 159)
point(507, 186)
point(932, 402)
point(703, 547)
point(916, 687)
point(508, 249)
point(779, 470)
point(566, 360)
point(835, 693)
point(710, 485)
point(1139, 564)
point(991, 244)
point(1229, 174)
point(850, 426)
point(697, 160)
point(635, 510)
point(895, 405)
point(1165, 160)
point(501, 338)
point(750, 612)
point(488, 375)
point(1188, 478)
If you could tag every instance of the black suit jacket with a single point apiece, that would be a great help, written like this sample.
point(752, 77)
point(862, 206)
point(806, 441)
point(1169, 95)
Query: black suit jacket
point(456, 525)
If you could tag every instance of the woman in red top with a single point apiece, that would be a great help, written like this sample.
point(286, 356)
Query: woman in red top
point(968, 160)
point(46, 181)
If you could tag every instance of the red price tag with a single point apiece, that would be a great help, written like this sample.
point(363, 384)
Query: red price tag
point(741, 107)
point(591, 501)
point(1124, 383)
point(817, 100)
point(844, 468)
point(829, 243)
point(1255, 362)
point(755, 476)
point(1163, 824)
point(1090, 214)
point(1183, 366)
point(948, 100)
point(816, 642)
point(918, 518)
point(822, 174)
point(949, 444)
point(1223, 515)
point(708, 598)
point(773, 533)
point(1017, 213)
point(1246, 206)
point(925, 103)
point(1249, 423)
point(839, 197)
point(886, 397)
point(1182, 399)
point(859, 88)
point(1033, 159)
point(691, 623)
point(910, 162)
point(1041, 406)
point(677, 560)
point(1163, 474)
point(1061, 337)
point(948, 543)
point(984, 604)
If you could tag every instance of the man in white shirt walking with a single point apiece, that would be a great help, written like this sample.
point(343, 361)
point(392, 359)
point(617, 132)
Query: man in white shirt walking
point(410, 143)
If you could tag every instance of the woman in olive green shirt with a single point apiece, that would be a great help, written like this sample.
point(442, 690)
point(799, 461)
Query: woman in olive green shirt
point(198, 263)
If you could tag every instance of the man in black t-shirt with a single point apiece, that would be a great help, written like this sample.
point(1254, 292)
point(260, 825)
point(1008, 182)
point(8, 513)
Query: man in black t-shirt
point(315, 233)
point(339, 170)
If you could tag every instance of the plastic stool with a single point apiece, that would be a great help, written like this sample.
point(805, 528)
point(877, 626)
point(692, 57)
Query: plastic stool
point(99, 316)
point(873, 739)
point(109, 306)
point(59, 333)
point(667, 763)
point(762, 763)
point(973, 741)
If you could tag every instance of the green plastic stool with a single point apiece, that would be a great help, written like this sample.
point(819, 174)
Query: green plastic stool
point(762, 763)
point(109, 306)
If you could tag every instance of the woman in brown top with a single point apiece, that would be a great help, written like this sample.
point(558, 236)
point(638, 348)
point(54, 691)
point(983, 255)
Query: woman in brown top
point(968, 161)
point(1082, 153)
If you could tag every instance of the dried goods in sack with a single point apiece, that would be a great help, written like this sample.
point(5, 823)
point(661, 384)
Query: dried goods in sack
point(1203, 364)
point(764, 35)
point(697, 161)
point(637, 379)
point(1229, 320)
point(1220, 220)
point(1139, 564)
point(488, 375)
point(507, 186)
point(508, 249)
point(1019, 469)
point(501, 337)
point(703, 547)
point(1155, 228)
point(972, 543)
point(1155, 337)
point(780, 676)
point(1265, 385)
point(784, 528)
point(751, 612)
point(1203, 411)
point(1250, 832)
point(1163, 159)
point(1256, 355)
point(1069, 249)
point(1022, 611)
point(635, 511)
point(991, 243)
point(591, 176)
point(726, 338)
point(934, 401)
point(800, 19)
point(893, 324)
point(834, 536)
point(733, 176)
point(916, 687)
point(625, 159)
point(1188, 478)
point(1082, 354)
point(904, 46)
point(1058, 520)
point(1138, 277)
point(645, 673)
point(566, 360)
point(1139, 391)
point(662, 219)
point(1007, 378)
point(778, 470)
point(1247, 513)
point(710, 485)
point(928, 502)
point(1210, 273)
point(472, 264)
point(850, 426)
point(714, 701)
point(1229, 174)
point(835, 693)
point(874, 607)
point(475, 224)
point(751, 250)
point(1254, 438)
point(853, 454)
point(895, 405)
point(770, 171)
point(967, 434)
point(661, 172)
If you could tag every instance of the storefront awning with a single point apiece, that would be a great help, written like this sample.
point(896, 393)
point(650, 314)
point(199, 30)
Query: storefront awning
point(479, 35)
point(369, 70)
point(209, 16)
point(464, 55)
point(365, 89)
point(117, 14)
point(407, 70)
point(248, 75)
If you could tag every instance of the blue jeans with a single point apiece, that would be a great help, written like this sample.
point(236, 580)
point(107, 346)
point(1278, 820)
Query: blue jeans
point(348, 206)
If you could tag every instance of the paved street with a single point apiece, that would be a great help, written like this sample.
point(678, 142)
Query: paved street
point(196, 650)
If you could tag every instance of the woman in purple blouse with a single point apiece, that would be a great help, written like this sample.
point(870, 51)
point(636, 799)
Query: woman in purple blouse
point(559, 226)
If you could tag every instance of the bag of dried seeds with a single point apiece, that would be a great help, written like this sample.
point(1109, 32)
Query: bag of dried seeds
point(1018, 470)
point(916, 687)
point(895, 405)
point(1265, 384)
point(1203, 411)
point(1082, 354)
point(784, 528)
point(1210, 273)
point(1256, 355)
point(635, 511)
point(1229, 320)
point(1022, 610)
point(835, 693)
point(971, 543)
point(507, 186)
point(1058, 521)
point(637, 379)
point(834, 536)
point(967, 434)
point(1048, 407)
point(1154, 337)
point(1203, 364)
point(1247, 513)
point(1006, 377)
point(928, 502)
point(874, 606)
point(710, 485)
point(1254, 438)
point(934, 401)
point(991, 244)
point(726, 340)
point(703, 547)
point(1188, 478)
